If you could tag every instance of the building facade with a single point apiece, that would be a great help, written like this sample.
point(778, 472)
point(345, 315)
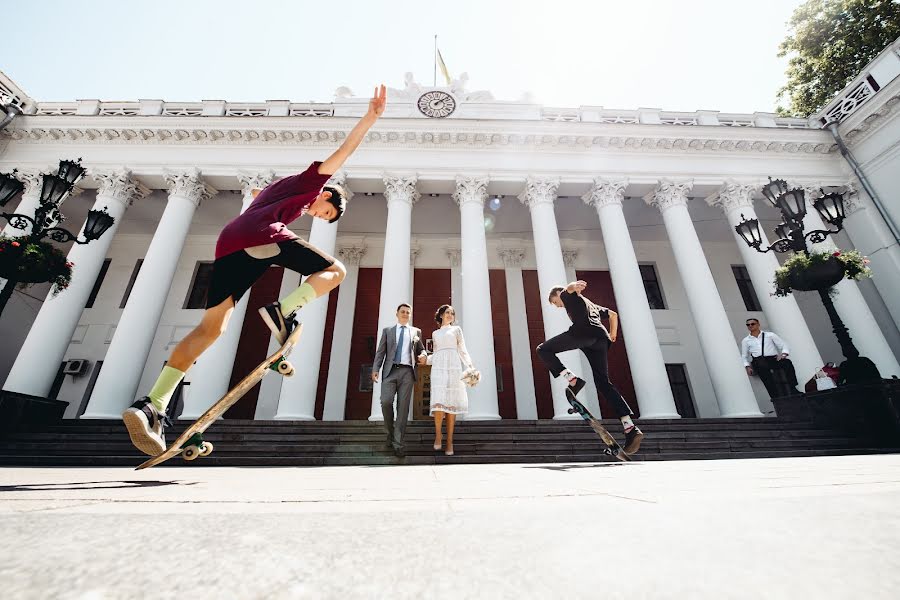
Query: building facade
point(456, 197)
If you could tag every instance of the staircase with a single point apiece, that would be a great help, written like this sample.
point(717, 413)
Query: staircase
point(317, 443)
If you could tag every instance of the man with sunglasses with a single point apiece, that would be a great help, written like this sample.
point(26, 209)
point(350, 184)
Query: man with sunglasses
point(764, 353)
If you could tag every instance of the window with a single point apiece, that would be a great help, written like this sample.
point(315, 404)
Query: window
point(99, 281)
point(652, 287)
point(499, 378)
point(134, 274)
point(57, 382)
point(742, 277)
point(90, 387)
point(681, 391)
point(365, 378)
point(196, 297)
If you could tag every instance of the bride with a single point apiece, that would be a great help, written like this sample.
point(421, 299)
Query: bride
point(448, 391)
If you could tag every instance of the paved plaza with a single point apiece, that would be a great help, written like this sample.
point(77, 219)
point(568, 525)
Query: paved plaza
point(770, 528)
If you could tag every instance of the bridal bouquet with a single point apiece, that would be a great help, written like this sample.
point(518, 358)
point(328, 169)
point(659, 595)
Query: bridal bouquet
point(471, 377)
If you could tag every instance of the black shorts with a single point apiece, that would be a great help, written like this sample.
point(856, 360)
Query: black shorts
point(234, 273)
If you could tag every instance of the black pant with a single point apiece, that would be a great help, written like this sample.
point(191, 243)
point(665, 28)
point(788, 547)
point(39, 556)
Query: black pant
point(770, 371)
point(595, 349)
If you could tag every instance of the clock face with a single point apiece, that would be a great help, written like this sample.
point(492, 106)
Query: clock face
point(436, 104)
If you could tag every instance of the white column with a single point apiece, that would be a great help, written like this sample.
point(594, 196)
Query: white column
point(52, 330)
point(342, 336)
point(401, 194)
point(871, 236)
point(211, 374)
point(648, 368)
point(783, 314)
point(126, 357)
point(539, 196)
point(590, 395)
point(455, 257)
point(850, 304)
point(470, 194)
point(726, 370)
point(297, 401)
point(523, 376)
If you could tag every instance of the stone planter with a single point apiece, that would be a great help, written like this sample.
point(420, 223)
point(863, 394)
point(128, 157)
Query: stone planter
point(818, 277)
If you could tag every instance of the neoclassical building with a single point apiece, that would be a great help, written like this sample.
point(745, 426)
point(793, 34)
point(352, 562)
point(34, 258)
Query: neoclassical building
point(456, 197)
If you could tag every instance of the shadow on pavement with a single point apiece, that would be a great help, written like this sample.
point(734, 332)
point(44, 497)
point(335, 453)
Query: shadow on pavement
point(89, 485)
point(571, 467)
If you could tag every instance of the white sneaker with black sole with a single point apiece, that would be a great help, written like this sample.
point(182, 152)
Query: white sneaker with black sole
point(281, 327)
point(145, 427)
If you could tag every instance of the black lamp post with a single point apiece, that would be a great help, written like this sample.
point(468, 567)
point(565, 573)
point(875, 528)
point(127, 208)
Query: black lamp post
point(791, 202)
point(54, 190)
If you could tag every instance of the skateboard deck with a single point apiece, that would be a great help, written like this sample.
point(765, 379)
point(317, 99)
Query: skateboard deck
point(190, 444)
point(612, 446)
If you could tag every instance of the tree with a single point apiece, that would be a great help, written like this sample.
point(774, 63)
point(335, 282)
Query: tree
point(829, 43)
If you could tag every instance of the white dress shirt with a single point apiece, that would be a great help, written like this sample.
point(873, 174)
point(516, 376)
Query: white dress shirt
point(751, 347)
point(405, 354)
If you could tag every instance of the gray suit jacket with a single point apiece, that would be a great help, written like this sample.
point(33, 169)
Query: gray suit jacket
point(387, 347)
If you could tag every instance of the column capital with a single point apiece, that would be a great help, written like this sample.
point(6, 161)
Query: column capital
point(401, 188)
point(414, 255)
point(255, 181)
point(852, 199)
point(455, 256)
point(340, 178)
point(811, 189)
point(470, 189)
point(732, 196)
point(512, 257)
point(569, 257)
point(352, 255)
point(189, 185)
point(120, 185)
point(33, 180)
point(604, 192)
point(669, 193)
point(539, 190)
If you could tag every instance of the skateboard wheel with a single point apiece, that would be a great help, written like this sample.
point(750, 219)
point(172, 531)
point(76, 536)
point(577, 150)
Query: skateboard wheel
point(190, 453)
point(286, 368)
point(206, 449)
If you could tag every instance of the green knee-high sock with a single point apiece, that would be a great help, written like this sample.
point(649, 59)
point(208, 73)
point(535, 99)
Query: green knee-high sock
point(164, 387)
point(300, 297)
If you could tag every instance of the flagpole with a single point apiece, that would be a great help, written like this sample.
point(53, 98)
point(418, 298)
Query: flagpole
point(434, 84)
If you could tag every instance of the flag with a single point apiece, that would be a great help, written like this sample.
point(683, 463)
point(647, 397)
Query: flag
point(443, 68)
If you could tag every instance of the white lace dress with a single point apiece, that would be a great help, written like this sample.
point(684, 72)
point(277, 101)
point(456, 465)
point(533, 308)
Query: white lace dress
point(450, 358)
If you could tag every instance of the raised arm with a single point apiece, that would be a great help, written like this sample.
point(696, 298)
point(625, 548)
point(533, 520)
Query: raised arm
point(576, 287)
point(376, 108)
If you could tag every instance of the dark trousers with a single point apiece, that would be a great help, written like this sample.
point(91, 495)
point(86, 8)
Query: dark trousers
point(776, 375)
point(595, 348)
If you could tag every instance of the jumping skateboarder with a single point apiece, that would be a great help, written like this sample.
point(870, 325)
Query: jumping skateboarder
point(259, 237)
point(589, 335)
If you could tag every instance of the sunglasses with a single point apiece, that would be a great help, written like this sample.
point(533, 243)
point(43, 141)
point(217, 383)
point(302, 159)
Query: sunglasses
point(752, 324)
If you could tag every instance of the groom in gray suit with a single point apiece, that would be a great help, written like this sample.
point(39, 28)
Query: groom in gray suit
point(399, 350)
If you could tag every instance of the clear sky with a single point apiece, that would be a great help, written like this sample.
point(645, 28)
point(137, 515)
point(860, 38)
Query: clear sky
point(676, 55)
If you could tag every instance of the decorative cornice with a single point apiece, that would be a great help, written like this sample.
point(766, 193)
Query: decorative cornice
point(512, 257)
point(605, 192)
point(119, 185)
point(401, 189)
point(189, 185)
point(455, 256)
point(669, 194)
point(352, 255)
point(867, 126)
point(255, 181)
point(340, 178)
point(470, 189)
point(732, 196)
point(539, 190)
point(569, 257)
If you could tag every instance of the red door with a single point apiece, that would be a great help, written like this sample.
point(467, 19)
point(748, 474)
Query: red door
point(363, 344)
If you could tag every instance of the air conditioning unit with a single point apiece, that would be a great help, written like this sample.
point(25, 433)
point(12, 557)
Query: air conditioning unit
point(76, 367)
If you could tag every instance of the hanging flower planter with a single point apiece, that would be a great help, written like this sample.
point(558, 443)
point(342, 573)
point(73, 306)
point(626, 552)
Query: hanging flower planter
point(819, 271)
point(29, 262)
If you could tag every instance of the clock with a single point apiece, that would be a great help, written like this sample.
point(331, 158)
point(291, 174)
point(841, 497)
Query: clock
point(436, 104)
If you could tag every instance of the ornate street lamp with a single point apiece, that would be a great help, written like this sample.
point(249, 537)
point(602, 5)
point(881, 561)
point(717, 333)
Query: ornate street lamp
point(791, 237)
point(53, 191)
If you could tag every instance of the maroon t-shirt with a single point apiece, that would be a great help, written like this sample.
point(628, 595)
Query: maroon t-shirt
point(266, 219)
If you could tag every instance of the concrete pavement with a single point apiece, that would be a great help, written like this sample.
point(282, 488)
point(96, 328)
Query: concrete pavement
point(773, 528)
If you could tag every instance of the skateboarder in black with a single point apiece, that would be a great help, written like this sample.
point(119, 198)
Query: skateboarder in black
point(589, 335)
point(257, 238)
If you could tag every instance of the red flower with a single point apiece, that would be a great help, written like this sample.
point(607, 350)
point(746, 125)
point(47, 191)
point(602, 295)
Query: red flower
point(15, 244)
point(838, 253)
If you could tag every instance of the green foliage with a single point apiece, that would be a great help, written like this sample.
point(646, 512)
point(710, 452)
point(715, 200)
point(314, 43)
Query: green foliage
point(29, 262)
point(856, 267)
point(829, 43)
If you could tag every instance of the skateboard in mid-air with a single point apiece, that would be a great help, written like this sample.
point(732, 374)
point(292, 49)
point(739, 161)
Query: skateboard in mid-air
point(190, 444)
point(612, 446)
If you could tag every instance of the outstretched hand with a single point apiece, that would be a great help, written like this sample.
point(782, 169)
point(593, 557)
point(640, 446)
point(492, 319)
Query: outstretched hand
point(576, 286)
point(378, 101)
